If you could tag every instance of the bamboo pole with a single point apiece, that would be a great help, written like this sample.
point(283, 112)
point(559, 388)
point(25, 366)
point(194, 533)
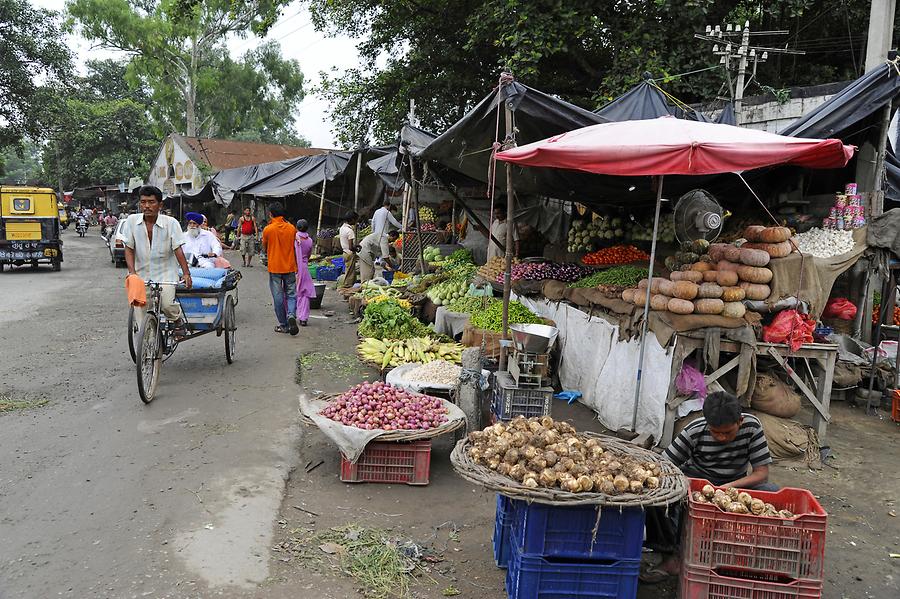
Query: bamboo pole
point(510, 224)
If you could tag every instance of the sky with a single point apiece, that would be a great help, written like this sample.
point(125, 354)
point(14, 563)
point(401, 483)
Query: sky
point(299, 40)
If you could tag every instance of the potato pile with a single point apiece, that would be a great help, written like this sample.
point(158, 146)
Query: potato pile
point(495, 267)
point(737, 502)
point(539, 452)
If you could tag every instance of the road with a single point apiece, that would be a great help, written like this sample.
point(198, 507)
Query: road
point(103, 496)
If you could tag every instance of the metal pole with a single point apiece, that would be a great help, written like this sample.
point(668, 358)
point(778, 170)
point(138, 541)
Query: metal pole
point(507, 271)
point(321, 206)
point(637, 389)
point(742, 74)
point(419, 232)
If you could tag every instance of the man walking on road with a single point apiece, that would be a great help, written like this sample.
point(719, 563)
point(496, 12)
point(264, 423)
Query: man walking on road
point(248, 232)
point(278, 243)
point(153, 252)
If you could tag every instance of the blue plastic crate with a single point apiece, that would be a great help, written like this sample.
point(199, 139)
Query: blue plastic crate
point(534, 577)
point(555, 531)
point(338, 262)
point(506, 508)
point(328, 273)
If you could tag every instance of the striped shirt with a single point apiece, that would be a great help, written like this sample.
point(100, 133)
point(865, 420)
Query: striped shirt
point(699, 455)
point(156, 262)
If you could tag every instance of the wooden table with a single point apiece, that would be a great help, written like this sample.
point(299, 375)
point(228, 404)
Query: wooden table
point(824, 356)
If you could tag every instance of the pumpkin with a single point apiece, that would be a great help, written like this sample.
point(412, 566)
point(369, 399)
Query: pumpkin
point(680, 306)
point(732, 253)
point(676, 276)
point(667, 287)
point(701, 266)
point(726, 278)
point(709, 290)
point(640, 297)
point(733, 294)
point(656, 282)
point(692, 275)
point(775, 250)
point(717, 251)
point(755, 291)
point(727, 266)
point(754, 274)
point(685, 290)
point(709, 306)
point(774, 235)
point(642, 284)
point(710, 276)
point(752, 257)
point(659, 302)
point(753, 232)
point(734, 310)
point(628, 295)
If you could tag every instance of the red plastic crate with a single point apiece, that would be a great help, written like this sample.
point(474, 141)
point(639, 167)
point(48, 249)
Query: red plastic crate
point(705, 583)
point(792, 548)
point(390, 462)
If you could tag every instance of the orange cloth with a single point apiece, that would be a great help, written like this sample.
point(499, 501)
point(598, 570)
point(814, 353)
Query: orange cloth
point(136, 290)
point(278, 243)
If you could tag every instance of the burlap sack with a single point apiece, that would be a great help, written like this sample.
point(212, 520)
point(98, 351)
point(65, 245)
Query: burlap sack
point(790, 440)
point(554, 290)
point(773, 396)
point(473, 337)
point(846, 374)
point(578, 296)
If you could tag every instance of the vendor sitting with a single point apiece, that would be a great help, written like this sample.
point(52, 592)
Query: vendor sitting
point(201, 247)
point(721, 447)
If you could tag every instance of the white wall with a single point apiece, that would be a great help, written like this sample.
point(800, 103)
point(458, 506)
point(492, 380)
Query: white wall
point(174, 171)
point(773, 117)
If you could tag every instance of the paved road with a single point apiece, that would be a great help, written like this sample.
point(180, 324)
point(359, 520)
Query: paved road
point(102, 496)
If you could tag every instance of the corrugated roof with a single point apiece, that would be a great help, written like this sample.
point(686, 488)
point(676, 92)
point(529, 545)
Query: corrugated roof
point(222, 154)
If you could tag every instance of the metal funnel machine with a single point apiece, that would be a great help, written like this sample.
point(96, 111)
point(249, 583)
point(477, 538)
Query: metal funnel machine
point(533, 338)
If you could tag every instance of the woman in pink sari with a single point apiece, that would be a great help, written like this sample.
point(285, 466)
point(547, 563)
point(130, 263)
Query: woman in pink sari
point(303, 246)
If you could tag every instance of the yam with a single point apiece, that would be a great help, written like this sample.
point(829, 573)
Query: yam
point(692, 275)
point(709, 306)
point(659, 302)
point(727, 265)
point(655, 283)
point(755, 291)
point(642, 284)
point(754, 274)
point(710, 276)
point(774, 250)
point(685, 290)
point(676, 276)
point(680, 306)
point(734, 310)
point(628, 295)
point(717, 251)
point(753, 257)
point(753, 232)
point(709, 290)
point(726, 278)
point(701, 266)
point(732, 253)
point(640, 297)
point(774, 235)
point(733, 294)
point(667, 287)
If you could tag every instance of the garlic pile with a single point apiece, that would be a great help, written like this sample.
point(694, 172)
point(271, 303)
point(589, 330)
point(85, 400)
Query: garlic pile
point(824, 243)
point(438, 372)
point(539, 452)
point(737, 502)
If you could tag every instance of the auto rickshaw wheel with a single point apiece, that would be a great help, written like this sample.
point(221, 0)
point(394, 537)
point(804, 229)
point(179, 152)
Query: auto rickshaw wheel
point(57, 266)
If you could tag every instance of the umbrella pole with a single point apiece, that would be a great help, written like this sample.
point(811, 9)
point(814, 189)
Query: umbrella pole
point(507, 271)
point(637, 389)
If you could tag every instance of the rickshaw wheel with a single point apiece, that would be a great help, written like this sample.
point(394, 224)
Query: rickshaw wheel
point(230, 327)
point(131, 332)
point(149, 361)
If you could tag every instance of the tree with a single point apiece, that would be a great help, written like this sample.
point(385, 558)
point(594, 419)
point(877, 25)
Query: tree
point(448, 55)
point(31, 51)
point(21, 164)
point(178, 52)
point(101, 132)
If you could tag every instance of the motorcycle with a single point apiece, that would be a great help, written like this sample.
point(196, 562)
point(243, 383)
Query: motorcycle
point(81, 227)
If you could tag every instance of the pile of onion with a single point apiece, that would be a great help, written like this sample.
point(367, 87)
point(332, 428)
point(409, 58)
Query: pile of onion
point(380, 406)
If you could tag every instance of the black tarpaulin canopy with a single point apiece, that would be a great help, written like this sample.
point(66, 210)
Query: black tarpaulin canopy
point(412, 140)
point(646, 101)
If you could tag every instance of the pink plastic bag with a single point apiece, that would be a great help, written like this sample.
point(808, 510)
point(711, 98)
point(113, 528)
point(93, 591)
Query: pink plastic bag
point(690, 381)
point(839, 307)
point(790, 327)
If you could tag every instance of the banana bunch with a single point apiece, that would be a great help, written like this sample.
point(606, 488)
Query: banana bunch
point(404, 351)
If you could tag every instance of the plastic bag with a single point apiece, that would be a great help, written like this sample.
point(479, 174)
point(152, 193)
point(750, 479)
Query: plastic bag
point(840, 307)
point(790, 327)
point(690, 381)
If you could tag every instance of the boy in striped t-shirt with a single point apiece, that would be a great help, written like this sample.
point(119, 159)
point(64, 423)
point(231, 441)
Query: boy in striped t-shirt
point(721, 447)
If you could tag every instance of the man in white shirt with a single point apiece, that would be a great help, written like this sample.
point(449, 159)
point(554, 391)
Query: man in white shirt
point(153, 252)
point(371, 251)
point(201, 246)
point(498, 231)
point(380, 225)
point(347, 235)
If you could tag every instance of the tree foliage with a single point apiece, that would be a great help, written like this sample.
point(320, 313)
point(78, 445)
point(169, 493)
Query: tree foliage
point(179, 54)
point(33, 59)
point(448, 55)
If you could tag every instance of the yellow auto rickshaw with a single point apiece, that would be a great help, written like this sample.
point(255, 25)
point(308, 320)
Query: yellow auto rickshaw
point(63, 215)
point(29, 227)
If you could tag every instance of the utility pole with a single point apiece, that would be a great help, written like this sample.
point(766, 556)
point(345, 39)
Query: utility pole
point(732, 46)
point(881, 30)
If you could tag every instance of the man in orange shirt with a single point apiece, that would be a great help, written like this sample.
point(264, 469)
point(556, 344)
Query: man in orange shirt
point(278, 243)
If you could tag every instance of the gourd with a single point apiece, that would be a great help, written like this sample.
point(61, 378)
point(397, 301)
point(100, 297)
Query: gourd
point(755, 291)
point(727, 265)
point(733, 294)
point(667, 287)
point(709, 290)
point(717, 251)
point(628, 295)
point(659, 302)
point(753, 232)
point(710, 276)
point(726, 278)
point(655, 283)
point(709, 306)
point(774, 235)
point(685, 290)
point(775, 250)
point(734, 310)
point(680, 306)
point(753, 257)
point(640, 297)
point(754, 274)
point(732, 253)
point(687, 275)
point(701, 266)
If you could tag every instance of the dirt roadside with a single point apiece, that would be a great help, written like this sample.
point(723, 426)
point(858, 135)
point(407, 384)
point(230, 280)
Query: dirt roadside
point(456, 519)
